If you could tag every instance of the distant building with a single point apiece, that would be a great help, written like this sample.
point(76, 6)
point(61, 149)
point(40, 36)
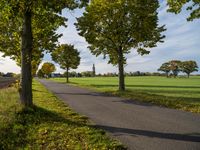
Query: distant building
point(93, 71)
point(56, 75)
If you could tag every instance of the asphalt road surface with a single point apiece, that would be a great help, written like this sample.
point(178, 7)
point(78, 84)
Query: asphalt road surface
point(137, 125)
point(6, 81)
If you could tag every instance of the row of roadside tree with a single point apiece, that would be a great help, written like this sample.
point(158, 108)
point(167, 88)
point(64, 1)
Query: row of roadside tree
point(28, 29)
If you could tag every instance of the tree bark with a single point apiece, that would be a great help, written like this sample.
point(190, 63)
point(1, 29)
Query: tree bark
point(26, 57)
point(67, 75)
point(121, 70)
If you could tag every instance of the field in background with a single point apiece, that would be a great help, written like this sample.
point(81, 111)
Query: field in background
point(180, 93)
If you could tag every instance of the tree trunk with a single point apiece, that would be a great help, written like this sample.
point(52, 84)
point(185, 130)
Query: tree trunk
point(167, 74)
point(67, 75)
point(121, 70)
point(26, 57)
point(188, 75)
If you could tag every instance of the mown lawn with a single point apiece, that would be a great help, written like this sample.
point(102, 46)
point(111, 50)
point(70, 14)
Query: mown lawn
point(49, 125)
point(180, 93)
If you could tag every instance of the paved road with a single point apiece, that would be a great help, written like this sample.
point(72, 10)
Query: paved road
point(6, 82)
point(138, 126)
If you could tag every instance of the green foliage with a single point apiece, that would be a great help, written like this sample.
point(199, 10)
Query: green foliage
point(193, 6)
point(113, 28)
point(40, 73)
point(44, 34)
point(50, 124)
point(71, 74)
point(48, 68)
point(122, 24)
point(66, 56)
point(27, 28)
point(87, 74)
point(180, 93)
point(173, 65)
point(45, 17)
point(165, 68)
point(189, 67)
point(177, 66)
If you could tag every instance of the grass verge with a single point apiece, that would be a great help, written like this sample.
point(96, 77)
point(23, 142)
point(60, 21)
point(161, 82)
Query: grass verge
point(180, 93)
point(50, 124)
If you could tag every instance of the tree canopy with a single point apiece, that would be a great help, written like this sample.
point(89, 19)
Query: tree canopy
point(27, 26)
point(165, 67)
point(48, 68)
point(113, 28)
point(67, 57)
point(188, 67)
point(176, 66)
point(193, 6)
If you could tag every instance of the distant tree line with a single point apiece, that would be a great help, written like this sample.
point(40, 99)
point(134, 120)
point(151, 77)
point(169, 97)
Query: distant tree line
point(174, 67)
point(109, 74)
point(8, 74)
point(74, 74)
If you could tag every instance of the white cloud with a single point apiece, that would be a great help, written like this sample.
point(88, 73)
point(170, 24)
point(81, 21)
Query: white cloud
point(8, 65)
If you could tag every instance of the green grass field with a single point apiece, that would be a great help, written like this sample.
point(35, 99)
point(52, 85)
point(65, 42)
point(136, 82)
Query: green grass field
point(180, 93)
point(50, 124)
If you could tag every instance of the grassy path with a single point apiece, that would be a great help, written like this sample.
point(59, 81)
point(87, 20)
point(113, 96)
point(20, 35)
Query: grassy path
point(49, 125)
point(179, 93)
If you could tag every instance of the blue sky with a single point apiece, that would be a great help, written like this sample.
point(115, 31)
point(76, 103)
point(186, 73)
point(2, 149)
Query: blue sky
point(182, 42)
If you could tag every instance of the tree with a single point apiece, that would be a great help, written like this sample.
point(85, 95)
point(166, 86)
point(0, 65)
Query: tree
point(72, 74)
point(48, 68)
point(176, 6)
point(67, 57)
point(40, 74)
point(165, 67)
point(175, 67)
point(87, 74)
point(114, 27)
point(188, 67)
point(24, 17)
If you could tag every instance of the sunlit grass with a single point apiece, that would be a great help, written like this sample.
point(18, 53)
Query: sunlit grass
point(50, 124)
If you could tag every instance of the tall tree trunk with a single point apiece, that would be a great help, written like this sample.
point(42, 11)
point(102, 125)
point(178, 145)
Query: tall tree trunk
point(26, 57)
point(121, 70)
point(67, 75)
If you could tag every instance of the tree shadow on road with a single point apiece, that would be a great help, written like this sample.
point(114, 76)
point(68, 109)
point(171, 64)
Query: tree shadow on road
point(117, 131)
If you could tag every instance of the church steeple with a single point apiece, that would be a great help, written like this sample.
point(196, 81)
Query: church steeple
point(93, 70)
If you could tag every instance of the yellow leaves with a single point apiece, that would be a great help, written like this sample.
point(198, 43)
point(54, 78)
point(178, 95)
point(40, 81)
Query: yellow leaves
point(48, 68)
point(43, 131)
